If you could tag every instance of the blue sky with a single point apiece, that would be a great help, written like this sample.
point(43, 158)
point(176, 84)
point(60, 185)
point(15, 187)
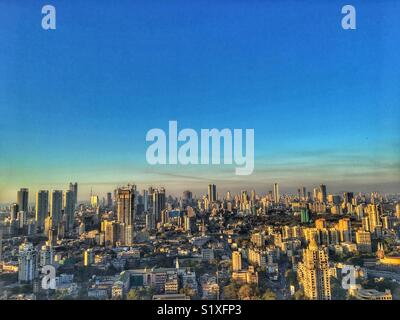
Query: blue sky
point(76, 103)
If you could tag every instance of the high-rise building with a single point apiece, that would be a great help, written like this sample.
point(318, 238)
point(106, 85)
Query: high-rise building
point(373, 217)
point(22, 199)
point(236, 261)
point(14, 212)
point(110, 229)
point(88, 257)
point(398, 210)
point(348, 197)
point(276, 193)
point(304, 216)
point(74, 188)
point(304, 193)
point(158, 203)
point(145, 197)
point(46, 256)
point(363, 240)
point(258, 239)
point(22, 217)
point(94, 201)
point(109, 200)
point(322, 189)
point(320, 223)
point(125, 199)
point(315, 194)
point(69, 209)
point(56, 198)
point(313, 273)
point(187, 224)
point(42, 207)
point(27, 263)
point(187, 197)
point(344, 228)
point(212, 192)
point(1, 246)
point(150, 221)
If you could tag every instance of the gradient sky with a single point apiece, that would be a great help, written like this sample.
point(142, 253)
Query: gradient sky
point(76, 103)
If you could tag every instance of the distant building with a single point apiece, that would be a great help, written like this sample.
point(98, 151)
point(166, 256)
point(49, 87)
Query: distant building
point(94, 201)
point(74, 188)
point(56, 207)
point(22, 199)
point(313, 273)
point(158, 203)
point(42, 207)
point(212, 193)
point(125, 200)
point(27, 263)
point(236, 261)
point(69, 208)
point(88, 257)
point(46, 256)
point(363, 241)
point(370, 294)
point(276, 193)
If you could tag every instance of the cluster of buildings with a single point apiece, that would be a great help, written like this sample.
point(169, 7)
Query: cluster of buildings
point(149, 245)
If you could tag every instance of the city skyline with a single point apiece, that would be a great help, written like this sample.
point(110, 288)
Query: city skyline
point(84, 197)
point(323, 109)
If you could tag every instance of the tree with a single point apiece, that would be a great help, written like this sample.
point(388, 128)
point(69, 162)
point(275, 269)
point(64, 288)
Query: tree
point(269, 295)
point(134, 294)
point(245, 292)
point(231, 292)
point(338, 293)
point(290, 276)
point(299, 295)
point(186, 290)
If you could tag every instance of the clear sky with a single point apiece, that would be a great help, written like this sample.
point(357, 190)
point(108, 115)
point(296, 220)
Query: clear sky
point(76, 102)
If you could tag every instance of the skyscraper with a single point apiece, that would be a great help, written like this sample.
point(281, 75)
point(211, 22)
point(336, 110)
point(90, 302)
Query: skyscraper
point(348, 197)
point(94, 201)
point(363, 240)
point(212, 192)
point(344, 228)
point(304, 216)
point(373, 217)
point(125, 198)
point(187, 197)
point(158, 203)
point(69, 209)
point(313, 273)
point(46, 255)
point(126, 204)
point(145, 195)
point(42, 207)
point(276, 193)
point(14, 212)
point(109, 200)
point(27, 263)
point(56, 207)
point(74, 188)
point(22, 199)
point(236, 261)
point(304, 193)
point(322, 189)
